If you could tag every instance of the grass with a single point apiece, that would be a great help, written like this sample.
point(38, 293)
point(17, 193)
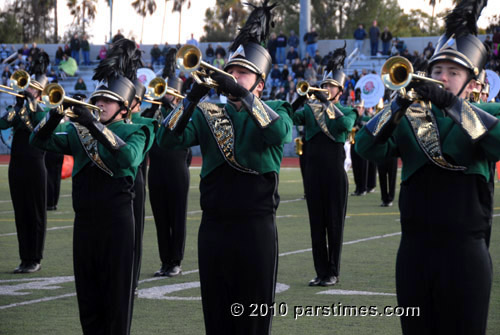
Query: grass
point(367, 265)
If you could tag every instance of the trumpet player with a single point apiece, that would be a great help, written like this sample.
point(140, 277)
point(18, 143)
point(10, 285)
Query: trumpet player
point(327, 125)
point(27, 173)
point(242, 147)
point(443, 265)
point(107, 155)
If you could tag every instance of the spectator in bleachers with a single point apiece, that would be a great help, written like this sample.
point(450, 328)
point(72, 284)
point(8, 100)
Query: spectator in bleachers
point(272, 44)
point(25, 50)
point(75, 48)
point(85, 50)
point(284, 73)
point(19, 60)
point(281, 95)
point(301, 68)
point(59, 55)
point(295, 66)
point(359, 36)
point(117, 37)
point(102, 53)
point(291, 55)
point(293, 40)
point(311, 39)
point(310, 74)
point(155, 55)
point(80, 85)
point(210, 53)
point(488, 42)
point(67, 67)
point(220, 51)
point(355, 76)
point(406, 54)
point(386, 38)
point(317, 59)
point(374, 36)
point(281, 47)
point(193, 41)
point(401, 46)
point(4, 52)
point(67, 50)
point(218, 61)
point(275, 75)
point(429, 50)
point(34, 49)
point(6, 74)
point(291, 94)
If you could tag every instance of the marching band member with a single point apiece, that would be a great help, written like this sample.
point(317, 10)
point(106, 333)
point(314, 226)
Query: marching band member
point(327, 125)
point(27, 173)
point(242, 147)
point(107, 153)
point(443, 264)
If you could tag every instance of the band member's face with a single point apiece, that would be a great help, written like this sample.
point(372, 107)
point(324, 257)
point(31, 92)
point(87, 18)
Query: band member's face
point(484, 97)
point(172, 99)
point(136, 106)
point(333, 91)
point(36, 93)
point(246, 78)
point(109, 108)
point(453, 77)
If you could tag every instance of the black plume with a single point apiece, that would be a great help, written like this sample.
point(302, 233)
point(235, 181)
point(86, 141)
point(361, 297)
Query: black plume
point(256, 28)
point(169, 68)
point(123, 59)
point(336, 62)
point(39, 63)
point(462, 20)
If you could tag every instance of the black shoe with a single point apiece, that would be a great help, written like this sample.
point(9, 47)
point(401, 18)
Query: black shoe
point(371, 190)
point(20, 268)
point(51, 208)
point(162, 271)
point(32, 267)
point(315, 281)
point(357, 194)
point(173, 270)
point(136, 292)
point(329, 281)
point(386, 204)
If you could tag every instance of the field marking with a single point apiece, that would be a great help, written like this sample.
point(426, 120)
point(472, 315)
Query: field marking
point(351, 292)
point(183, 273)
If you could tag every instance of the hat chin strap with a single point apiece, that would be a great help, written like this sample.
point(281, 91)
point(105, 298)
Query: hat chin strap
point(469, 77)
point(114, 115)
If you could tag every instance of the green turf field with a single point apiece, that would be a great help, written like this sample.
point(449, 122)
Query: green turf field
point(45, 302)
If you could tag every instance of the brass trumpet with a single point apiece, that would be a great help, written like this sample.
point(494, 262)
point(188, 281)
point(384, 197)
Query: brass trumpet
point(53, 96)
point(397, 73)
point(189, 60)
point(298, 145)
point(157, 88)
point(304, 88)
point(19, 81)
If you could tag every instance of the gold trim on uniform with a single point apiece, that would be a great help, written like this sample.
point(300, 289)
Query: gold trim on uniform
point(222, 129)
point(176, 115)
point(90, 146)
point(319, 114)
point(24, 116)
point(471, 122)
point(382, 120)
point(424, 125)
point(259, 112)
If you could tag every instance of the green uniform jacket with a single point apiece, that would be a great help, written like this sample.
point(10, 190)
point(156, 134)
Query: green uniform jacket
point(339, 128)
point(16, 123)
point(255, 148)
point(123, 163)
point(456, 145)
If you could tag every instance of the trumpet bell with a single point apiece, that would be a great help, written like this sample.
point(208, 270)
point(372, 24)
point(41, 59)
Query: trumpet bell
point(53, 95)
point(20, 80)
point(188, 58)
point(157, 88)
point(396, 72)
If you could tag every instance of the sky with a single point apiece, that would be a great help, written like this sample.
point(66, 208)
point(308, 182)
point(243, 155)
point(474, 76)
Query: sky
point(130, 23)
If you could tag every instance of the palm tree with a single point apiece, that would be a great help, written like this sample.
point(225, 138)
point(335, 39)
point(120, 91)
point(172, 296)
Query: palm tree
point(163, 24)
point(143, 7)
point(433, 4)
point(178, 8)
point(81, 8)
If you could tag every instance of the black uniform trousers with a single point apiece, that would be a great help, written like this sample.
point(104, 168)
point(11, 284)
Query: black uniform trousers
point(103, 250)
point(387, 172)
point(139, 214)
point(168, 182)
point(326, 189)
point(28, 187)
point(360, 171)
point(302, 162)
point(53, 163)
point(237, 249)
point(443, 264)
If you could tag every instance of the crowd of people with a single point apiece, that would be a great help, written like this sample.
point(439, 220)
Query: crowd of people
point(447, 148)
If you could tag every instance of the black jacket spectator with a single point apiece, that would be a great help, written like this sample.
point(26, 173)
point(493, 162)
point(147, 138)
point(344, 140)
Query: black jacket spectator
point(291, 55)
point(221, 51)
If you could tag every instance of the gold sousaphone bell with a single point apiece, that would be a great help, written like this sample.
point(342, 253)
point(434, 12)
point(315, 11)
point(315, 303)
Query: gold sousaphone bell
point(397, 73)
point(188, 59)
point(304, 88)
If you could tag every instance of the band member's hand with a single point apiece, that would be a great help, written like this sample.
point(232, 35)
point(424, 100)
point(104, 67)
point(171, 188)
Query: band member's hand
point(321, 97)
point(84, 116)
point(436, 94)
point(299, 102)
point(197, 92)
point(228, 86)
point(27, 96)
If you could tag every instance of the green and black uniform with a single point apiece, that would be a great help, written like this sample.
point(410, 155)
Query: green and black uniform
point(364, 171)
point(103, 241)
point(443, 264)
point(27, 181)
point(326, 129)
point(237, 242)
point(168, 182)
